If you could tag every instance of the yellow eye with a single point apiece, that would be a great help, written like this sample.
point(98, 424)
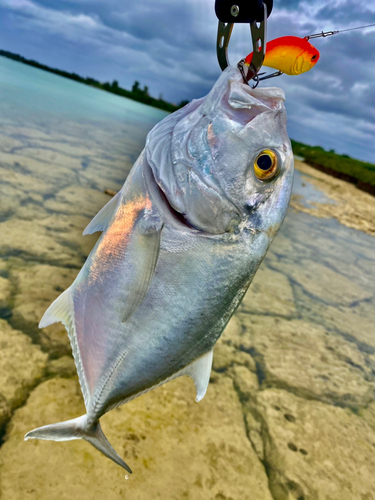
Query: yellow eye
point(265, 165)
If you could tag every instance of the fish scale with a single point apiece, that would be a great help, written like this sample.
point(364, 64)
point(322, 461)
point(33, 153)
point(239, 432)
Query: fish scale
point(174, 259)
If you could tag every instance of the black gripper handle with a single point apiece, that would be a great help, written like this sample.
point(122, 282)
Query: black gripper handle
point(241, 11)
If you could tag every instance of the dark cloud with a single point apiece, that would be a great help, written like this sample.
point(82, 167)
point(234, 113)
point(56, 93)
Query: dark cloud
point(346, 14)
point(169, 46)
point(291, 5)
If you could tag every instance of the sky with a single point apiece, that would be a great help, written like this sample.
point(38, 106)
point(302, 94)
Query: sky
point(170, 46)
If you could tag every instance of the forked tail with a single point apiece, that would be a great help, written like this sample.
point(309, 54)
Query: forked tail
point(78, 428)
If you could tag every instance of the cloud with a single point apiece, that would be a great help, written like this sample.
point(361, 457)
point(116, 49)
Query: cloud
point(170, 46)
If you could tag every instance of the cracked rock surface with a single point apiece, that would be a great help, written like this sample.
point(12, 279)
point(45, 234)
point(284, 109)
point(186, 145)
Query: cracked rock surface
point(312, 449)
point(290, 410)
point(177, 448)
point(22, 366)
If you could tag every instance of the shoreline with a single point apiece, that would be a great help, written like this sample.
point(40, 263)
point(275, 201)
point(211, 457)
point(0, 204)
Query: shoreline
point(352, 207)
point(362, 186)
point(341, 166)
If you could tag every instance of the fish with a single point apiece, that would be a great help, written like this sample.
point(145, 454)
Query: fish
point(290, 54)
point(179, 246)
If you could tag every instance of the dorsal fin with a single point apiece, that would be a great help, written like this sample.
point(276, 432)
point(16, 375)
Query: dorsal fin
point(200, 371)
point(60, 310)
point(102, 219)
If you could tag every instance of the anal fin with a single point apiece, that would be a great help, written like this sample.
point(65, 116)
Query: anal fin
point(102, 219)
point(200, 371)
point(62, 309)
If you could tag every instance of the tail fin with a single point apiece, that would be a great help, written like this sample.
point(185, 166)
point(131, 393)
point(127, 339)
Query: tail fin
point(78, 428)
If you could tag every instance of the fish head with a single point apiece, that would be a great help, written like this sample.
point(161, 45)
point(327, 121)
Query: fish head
point(306, 59)
point(226, 158)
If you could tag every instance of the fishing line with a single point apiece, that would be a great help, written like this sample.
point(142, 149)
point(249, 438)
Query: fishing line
point(280, 62)
point(334, 32)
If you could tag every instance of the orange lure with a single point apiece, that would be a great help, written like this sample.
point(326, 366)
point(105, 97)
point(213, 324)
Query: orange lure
point(290, 54)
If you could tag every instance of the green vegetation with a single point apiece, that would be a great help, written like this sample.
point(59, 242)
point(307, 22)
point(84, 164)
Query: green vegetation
point(138, 94)
point(342, 166)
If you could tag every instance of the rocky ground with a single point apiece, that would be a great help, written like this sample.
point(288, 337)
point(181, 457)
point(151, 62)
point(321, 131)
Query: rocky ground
point(290, 410)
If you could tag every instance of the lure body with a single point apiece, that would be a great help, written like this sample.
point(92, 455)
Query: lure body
point(290, 54)
point(180, 245)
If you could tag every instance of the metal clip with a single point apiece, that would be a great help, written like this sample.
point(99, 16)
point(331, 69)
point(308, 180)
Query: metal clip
point(322, 34)
point(258, 36)
point(224, 32)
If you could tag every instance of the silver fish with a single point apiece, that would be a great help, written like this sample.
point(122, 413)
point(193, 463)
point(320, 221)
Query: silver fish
point(180, 245)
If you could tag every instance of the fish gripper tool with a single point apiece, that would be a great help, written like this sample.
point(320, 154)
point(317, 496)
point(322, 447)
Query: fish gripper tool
point(254, 12)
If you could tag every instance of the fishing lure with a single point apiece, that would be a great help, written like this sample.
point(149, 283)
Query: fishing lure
point(291, 55)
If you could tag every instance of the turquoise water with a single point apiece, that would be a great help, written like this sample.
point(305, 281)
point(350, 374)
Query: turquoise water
point(26, 91)
point(56, 130)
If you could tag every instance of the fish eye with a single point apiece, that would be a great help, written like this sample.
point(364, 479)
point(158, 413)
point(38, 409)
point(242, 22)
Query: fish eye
point(265, 165)
point(314, 57)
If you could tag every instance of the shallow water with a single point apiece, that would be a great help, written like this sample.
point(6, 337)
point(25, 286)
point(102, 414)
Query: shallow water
point(307, 192)
point(290, 412)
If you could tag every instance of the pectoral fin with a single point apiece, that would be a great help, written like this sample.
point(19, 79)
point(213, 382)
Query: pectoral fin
point(147, 256)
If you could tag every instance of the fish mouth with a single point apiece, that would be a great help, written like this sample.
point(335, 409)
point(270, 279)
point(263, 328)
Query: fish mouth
point(238, 101)
point(243, 103)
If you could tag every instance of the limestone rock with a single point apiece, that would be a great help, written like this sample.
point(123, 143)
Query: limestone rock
point(22, 364)
point(357, 323)
point(34, 242)
point(31, 211)
point(75, 199)
point(176, 448)
point(308, 360)
point(269, 293)
point(3, 268)
point(39, 170)
point(49, 156)
point(74, 147)
point(225, 356)
point(316, 450)
point(38, 286)
point(323, 283)
point(254, 430)
point(4, 291)
point(368, 414)
point(8, 143)
point(24, 182)
point(61, 367)
point(67, 230)
point(246, 382)
point(10, 197)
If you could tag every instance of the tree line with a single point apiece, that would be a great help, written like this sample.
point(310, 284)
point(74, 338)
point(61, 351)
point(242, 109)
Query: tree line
point(137, 93)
